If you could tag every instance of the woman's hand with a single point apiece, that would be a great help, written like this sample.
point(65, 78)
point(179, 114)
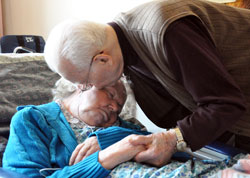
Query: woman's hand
point(89, 146)
point(160, 147)
point(119, 152)
point(241, 169)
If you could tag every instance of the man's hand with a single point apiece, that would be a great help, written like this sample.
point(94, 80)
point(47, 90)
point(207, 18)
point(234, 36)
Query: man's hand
point(89, 146)
point(160, 147)
point(119, 152)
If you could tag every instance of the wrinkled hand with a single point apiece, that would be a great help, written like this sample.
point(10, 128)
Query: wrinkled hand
point(245, 164)
point(242, 165)
point(89, 146)
point(240, 169)
point(119, 152)
point(160, 147)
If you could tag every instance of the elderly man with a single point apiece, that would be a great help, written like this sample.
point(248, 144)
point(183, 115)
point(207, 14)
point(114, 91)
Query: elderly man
point(52, 139)
point(188, 61)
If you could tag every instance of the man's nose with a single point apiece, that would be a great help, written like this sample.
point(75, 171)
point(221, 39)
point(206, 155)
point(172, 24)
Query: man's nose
point(114, 107)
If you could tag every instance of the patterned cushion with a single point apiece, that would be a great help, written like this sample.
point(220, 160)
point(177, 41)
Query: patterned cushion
point(3, 143)
point(24, 79)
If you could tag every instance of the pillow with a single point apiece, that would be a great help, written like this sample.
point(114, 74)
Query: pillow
point(3, 143)
point(24, 79)
point(128, 112)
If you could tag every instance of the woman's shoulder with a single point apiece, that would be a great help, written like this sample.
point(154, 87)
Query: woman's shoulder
point(32, 113)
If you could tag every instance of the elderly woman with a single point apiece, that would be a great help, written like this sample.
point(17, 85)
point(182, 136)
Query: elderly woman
point(52, 139)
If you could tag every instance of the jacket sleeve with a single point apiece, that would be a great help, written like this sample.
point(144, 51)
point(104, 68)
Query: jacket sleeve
point(28, 150)
point(89, 167)
point(114, 134)
point(198, 66)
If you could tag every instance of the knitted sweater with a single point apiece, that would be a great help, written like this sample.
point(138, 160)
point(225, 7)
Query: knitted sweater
point(40, 137)
point(229, 28)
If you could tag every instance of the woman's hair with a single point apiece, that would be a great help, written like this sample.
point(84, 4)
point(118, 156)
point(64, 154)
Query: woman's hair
point(62, 89)
point(76, 41)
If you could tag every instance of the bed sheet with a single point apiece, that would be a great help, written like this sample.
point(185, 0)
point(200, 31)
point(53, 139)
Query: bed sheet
point(175, 169)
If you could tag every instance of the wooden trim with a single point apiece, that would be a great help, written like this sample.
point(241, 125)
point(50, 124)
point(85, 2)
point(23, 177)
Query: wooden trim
point(241, 4)
point(1, 19)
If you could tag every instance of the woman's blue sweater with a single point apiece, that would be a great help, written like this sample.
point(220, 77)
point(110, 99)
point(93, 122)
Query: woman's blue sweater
point(40, 137)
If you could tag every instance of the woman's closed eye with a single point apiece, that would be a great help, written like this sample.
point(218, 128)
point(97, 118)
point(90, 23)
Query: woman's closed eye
point(111, 96)
point(110, 93)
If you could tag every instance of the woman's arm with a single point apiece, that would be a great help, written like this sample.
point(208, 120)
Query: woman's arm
point(29, 150)
point(119, 152)
point(100, 140)
point(114, 134)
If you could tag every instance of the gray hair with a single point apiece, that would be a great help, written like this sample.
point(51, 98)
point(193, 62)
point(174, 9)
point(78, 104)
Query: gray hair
point(76, 41)
point(62, 89)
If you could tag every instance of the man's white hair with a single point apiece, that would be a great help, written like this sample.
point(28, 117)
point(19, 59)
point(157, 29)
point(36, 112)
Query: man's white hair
point(76, 41)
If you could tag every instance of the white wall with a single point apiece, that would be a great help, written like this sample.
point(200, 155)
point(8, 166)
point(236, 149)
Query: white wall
point(37, 17)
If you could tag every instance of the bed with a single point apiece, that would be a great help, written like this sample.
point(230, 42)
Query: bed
point(26, 79)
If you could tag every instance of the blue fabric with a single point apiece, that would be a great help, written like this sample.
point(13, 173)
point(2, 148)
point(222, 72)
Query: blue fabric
point(5, 173)
point(40, 137)
point(112, 135)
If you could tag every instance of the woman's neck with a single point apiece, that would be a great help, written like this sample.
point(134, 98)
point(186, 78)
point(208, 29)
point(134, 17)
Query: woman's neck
point(71, 105)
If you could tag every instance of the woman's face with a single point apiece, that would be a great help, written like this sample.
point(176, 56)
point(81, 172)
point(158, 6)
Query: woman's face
point(100, 107)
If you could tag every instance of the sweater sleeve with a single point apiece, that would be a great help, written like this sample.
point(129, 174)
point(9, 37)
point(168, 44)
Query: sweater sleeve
point(29, 150)
point(89, 167)
point(197, 65)
point(114, 134)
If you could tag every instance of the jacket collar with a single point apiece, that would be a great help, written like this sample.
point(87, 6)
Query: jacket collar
point(55, 118)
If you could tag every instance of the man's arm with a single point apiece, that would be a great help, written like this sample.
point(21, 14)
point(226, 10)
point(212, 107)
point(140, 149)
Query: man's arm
point(197, 65)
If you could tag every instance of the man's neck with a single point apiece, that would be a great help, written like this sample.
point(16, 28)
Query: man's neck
point(112, 43)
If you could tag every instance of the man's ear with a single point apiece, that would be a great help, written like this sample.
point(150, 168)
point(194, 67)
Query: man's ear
point(102, 58)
